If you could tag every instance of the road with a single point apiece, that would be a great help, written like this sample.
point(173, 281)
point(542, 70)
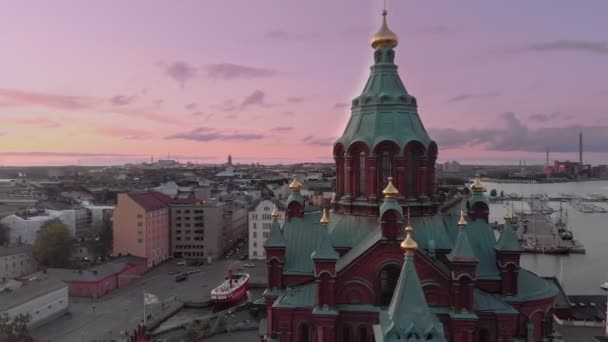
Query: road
point(122, 309)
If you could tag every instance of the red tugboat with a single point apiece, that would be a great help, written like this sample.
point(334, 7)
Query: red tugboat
point(232, 290)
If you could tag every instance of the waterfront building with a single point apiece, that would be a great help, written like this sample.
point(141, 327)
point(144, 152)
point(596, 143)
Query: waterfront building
point(25, 225)
point(260, 221)
point(40, 296)
point(341, 275)
point(16, 261)
point(141, 226)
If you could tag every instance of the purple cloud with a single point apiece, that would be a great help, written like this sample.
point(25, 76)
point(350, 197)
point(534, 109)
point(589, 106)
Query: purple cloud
point(465, 97)
point(20, 98)
point(295, 99)
point(121, 100)
point(180, 72)
point(190, 106)
point(282, 129)
point(253, 99)
point(227, 71)
point(205, 134)
point(311, 140)
point(595, 47)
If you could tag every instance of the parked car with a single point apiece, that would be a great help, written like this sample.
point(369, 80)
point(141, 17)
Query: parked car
point(192, 272)
point(181, 263)
point(181, 277)
point(174, 272)
point(250, 265)
point(243, 257)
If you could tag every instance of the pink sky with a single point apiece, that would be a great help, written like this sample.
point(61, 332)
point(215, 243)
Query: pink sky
point(118, 81)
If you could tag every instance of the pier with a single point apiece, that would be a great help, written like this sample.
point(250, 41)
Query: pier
point(539, 234)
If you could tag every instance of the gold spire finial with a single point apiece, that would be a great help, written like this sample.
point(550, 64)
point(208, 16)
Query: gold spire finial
point(325, 217)
point(508, 216)
point(477, 186)
point(462, 222)
point(295, 184)
point(275, 213)
point(385, 37)
point(409, 245)
point(390, 191)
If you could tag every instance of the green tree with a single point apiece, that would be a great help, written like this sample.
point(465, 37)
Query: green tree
point(15, 330)
point(493, 193)
point(4, 234)
point(54, 244)
point(193, 331)
point(466, 190)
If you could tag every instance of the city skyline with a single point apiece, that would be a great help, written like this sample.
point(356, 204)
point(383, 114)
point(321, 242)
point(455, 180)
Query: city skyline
point(114, 83)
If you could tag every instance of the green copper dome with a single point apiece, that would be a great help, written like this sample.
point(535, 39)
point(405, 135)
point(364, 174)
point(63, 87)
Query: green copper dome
point(384, 110)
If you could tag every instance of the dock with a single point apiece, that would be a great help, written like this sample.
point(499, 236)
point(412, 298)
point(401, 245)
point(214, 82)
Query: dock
point(539, 234)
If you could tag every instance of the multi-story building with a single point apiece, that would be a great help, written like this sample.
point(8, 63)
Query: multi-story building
point(197, 228)
point(141, 226)
point(16, 261)
point(83, 222)
point(260, 220)
point(24, 226)
point(236, 225)
point(40, 296)
point(385, 264)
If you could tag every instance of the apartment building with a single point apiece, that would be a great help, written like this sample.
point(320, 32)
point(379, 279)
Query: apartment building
point(16, 261)
point(141, 226)
point(260, 221)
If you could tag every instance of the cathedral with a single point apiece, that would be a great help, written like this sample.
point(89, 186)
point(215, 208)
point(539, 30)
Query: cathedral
point(387, 262)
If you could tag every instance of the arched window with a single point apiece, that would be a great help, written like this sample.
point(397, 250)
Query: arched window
point(347, 334)
point(304, 333)
point(386, 168)
point(362, 334)
point(411, 170)
point(362, 174)
point(388, 281)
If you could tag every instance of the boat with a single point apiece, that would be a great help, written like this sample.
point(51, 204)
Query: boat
point(232, 290)
point(604, 285)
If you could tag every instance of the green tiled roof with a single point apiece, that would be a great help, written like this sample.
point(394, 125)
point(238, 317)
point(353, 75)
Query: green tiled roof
point(303, 296)
point(384, 110)
point(482, 240)
point(408, 311)
point(302, 237)
point(462, 248)
point(324, 311)
point(486, 302)
point(532, 287)
point(388, 204)
point(427, 228)
point(325, 251)
point(478, 197)
point(349, 230)
point(276, 238)
point(508, 239)
point(295, 196)
point(358, 308)
point(368, 241)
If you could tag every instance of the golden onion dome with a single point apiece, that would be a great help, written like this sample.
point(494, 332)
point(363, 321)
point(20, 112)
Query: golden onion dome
point(325, 217)
point(477, 186)
point(275, 213)
point(390, 191)
point(295, 184)
point(508, 216)
point(462, 222)
point(385, 37)
point(409, 245)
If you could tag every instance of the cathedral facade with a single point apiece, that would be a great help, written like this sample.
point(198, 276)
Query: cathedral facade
point(387, 263)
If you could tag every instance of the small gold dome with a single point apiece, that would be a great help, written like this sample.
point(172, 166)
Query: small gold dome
point(333, 198)
point(508, 216)
point(477, 186)
point(275, 213)
point(409, 245)
point(295, 184)
point(325, 217)
point(390, 191)
point(462, 222)
point(385, 37)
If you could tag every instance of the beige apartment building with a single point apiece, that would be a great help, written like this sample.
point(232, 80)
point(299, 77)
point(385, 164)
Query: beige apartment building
point(141, 226)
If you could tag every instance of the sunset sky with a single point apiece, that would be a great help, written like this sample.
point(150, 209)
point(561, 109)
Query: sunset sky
point(114, 81)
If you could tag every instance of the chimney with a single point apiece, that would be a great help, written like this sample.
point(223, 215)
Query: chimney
point(580, 148)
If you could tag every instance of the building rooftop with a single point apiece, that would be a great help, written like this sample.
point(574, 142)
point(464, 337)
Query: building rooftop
point(95, 273)
point(15, 249)
point(151, 200)
point(32, 287)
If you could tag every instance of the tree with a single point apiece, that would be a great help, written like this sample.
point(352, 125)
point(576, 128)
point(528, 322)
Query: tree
point(4, 234)
point(493, 193)
point(15, 330)
point(466, 190)
point(502, 193)
point(54, 244)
